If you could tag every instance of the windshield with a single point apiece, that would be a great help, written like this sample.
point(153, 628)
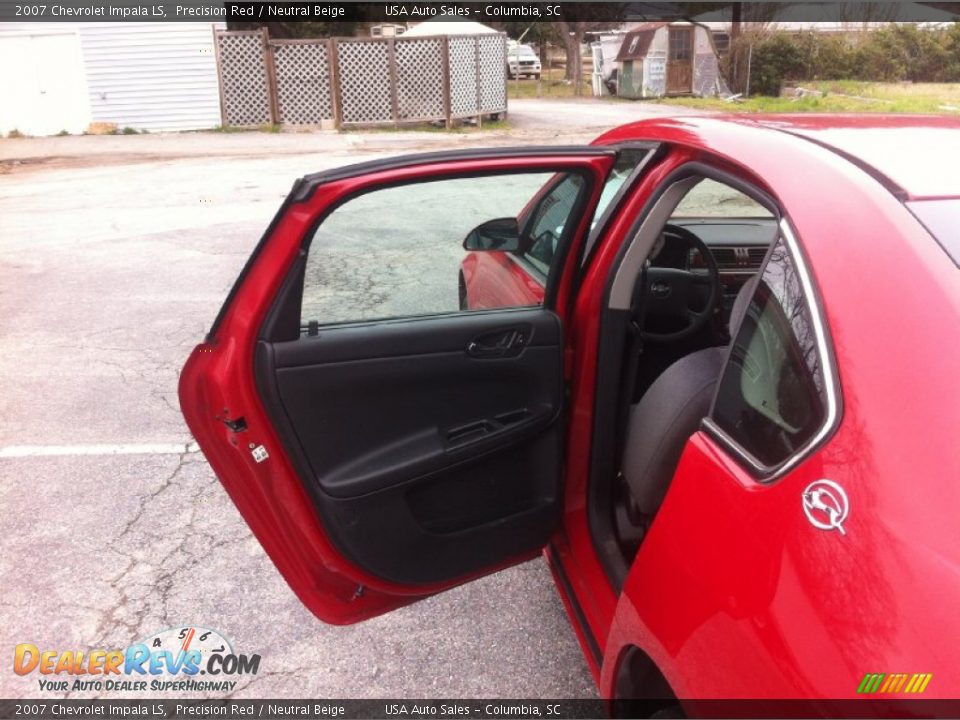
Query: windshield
point(523, 51)
point(942, 220)
point(711, 199)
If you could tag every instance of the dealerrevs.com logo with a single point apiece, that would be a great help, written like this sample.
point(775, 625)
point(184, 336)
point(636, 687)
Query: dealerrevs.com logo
point(182, 659)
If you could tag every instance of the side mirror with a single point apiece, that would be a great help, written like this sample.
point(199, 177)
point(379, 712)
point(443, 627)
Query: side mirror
point(499, 234)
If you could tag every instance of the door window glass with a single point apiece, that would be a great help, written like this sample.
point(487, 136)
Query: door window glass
point(546, 223)
point(398, 251)
point(680, 41)
point(627, 162)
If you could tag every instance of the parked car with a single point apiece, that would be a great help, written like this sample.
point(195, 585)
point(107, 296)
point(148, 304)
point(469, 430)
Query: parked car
point(523, 61)
point(708, 366)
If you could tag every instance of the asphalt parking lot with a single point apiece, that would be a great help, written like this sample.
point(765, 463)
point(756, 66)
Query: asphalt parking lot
point(115, 254)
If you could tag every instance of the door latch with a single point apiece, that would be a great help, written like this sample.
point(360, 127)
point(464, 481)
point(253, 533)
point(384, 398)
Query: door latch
point(237, 426)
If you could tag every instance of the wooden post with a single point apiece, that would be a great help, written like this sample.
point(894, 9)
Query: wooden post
point(271, 76)
point(392, 68)
point(445, 73)
point(335, 83)
point(476, 49)
point(506, 85)
point(216, 54)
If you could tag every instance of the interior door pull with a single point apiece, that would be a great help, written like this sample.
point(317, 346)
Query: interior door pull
point(502, 343)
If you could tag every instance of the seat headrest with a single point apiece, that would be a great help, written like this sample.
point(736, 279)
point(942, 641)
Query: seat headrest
point(741, 302)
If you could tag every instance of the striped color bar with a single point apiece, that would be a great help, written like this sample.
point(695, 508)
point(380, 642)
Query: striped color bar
point(890, 683)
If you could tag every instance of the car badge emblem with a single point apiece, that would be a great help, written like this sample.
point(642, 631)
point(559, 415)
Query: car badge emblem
point(660, 290)
point(826, 505)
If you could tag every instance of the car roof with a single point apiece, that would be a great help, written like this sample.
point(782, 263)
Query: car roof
point(915, 156)
point(920, 154)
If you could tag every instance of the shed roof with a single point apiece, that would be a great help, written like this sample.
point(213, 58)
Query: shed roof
point(449, 27)
point(636, 43)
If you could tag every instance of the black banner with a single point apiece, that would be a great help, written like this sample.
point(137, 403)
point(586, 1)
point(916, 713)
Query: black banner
point(526, 12)
point(50, 709)
point(304, 709)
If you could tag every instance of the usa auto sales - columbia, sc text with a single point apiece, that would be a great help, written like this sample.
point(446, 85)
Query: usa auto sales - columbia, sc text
point(489, 11)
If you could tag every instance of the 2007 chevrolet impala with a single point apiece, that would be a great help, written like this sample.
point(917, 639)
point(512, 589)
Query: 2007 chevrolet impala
point(709, 366)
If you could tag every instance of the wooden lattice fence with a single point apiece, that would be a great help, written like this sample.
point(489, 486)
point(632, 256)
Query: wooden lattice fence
point(303, 77)
point(360, 81)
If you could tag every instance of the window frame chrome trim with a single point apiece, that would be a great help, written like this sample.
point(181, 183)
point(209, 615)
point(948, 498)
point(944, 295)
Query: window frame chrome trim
point(831, 379)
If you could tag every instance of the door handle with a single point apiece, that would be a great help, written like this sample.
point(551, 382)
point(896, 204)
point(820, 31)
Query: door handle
point(499, 344)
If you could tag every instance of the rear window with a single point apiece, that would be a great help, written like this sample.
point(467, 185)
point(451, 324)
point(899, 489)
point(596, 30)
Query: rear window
point(771, 400)
point(942, 220)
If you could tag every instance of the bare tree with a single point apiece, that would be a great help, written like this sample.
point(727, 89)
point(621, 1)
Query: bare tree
point(572, 29)
point(285, 30)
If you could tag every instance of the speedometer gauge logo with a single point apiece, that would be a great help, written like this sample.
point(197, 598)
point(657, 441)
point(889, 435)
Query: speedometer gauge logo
point(203, 642)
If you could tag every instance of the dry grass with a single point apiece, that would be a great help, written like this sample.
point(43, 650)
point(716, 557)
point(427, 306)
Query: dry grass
point(550, 85)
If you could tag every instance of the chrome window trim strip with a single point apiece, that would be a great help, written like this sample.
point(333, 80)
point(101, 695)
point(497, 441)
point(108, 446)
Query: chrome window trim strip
point(531, 269)
point(831, 379)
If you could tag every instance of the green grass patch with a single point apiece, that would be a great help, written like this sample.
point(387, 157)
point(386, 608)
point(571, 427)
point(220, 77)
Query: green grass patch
point(912, 97)
point(843, 96)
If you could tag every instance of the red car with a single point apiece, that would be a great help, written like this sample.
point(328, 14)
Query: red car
point(708, 366)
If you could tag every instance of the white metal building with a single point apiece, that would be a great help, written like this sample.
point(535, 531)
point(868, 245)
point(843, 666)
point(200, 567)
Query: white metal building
point(145, 76)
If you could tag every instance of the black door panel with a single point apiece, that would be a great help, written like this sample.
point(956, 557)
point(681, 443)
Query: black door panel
point(432, 446)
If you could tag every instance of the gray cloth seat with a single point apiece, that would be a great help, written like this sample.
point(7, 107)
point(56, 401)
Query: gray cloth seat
point(669, 412)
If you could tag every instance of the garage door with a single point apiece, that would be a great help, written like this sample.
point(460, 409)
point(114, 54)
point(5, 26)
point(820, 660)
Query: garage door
point(48, 92)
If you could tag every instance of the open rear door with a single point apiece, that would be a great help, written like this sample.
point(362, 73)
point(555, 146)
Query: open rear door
point(382, 444)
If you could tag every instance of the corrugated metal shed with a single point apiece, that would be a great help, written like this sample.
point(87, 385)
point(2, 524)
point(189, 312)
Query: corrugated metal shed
point(152, 76)
point(146, 76)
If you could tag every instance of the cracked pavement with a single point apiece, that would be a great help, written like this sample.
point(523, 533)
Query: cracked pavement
point(115, 254)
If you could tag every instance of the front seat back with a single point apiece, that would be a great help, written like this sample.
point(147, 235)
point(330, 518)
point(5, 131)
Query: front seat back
point(669, 412)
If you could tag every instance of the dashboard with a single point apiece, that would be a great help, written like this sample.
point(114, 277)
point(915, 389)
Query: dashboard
point(738, 246)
